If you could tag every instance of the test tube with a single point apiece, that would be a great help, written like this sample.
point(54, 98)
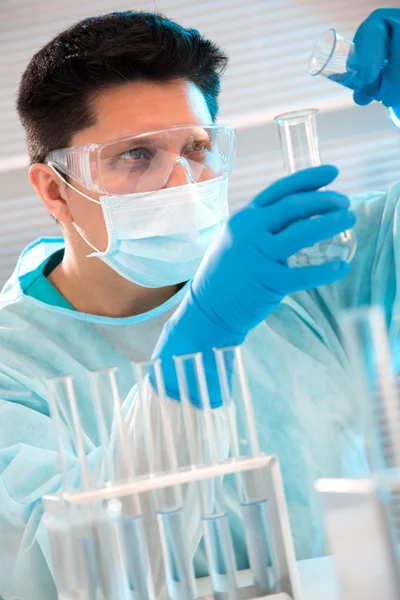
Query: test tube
point(77, 530)
point(126, 569)
point(367, 343)
point(68, 432)
point(162, 458)
point(60, 522)
point(334, 57)
point(251, 488)
point(299, 144)
point(204, 450)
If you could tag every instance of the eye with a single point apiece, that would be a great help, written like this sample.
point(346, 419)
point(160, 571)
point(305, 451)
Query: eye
point(135, 154)
point(201, 146)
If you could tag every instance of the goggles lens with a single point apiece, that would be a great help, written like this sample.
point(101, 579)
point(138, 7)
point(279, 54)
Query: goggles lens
point(144, 163)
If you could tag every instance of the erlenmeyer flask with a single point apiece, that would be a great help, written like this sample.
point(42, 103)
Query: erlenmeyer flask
point(299, 144)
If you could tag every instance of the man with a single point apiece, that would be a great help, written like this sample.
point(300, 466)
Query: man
point(119, 112)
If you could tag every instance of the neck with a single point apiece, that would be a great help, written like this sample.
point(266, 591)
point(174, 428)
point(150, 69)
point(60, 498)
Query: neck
point(94, 288)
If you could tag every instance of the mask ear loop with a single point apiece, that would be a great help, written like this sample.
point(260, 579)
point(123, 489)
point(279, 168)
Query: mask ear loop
point(78, 229)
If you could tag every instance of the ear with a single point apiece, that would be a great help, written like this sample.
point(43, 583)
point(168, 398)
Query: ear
point(52, 190)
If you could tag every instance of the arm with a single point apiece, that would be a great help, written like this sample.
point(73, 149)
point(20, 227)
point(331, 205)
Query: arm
point(244, 275)
point(373, 277)
point(28, 470)
point(374, 269)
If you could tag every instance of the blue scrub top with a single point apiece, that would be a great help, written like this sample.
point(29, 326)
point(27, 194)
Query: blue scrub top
point(36, 284)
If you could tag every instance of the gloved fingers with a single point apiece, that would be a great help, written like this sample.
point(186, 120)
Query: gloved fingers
point(310, 231)
point(287, 280)
point(371, 42)
point(361, 99)
point(306, 180)
point(389, 92)
point(307, 278)
point(302, 206)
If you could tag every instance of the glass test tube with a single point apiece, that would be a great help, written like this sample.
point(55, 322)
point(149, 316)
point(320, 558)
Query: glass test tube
point(367, 342)
point(60, 525)
point(250, 484)
point(80, 537)
point(68, 432)
point(368, 345)
point(299, 143)
point(126, 570)
point(335, 58)
point(203, 447)
point(161, 457)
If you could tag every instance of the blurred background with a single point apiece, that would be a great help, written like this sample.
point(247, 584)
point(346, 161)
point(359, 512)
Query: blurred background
point(269, 43)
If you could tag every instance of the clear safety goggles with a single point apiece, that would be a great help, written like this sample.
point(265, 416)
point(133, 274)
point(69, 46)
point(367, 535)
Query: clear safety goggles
point(143, 163)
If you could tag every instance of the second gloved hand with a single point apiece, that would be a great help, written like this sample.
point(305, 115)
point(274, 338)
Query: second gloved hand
point(245, 274)
point(377, 43)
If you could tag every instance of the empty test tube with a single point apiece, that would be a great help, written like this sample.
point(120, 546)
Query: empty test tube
point(244, 442)
point(299, 144)
point(161, 456)
point(204, 450)
point(379, 407)
point(131, 576)
point(80, 537)
point(68, 552)
point(368, 345)
point(68, 432)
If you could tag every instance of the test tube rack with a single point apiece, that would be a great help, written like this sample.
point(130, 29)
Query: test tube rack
point(97, 534)
point(68, 551)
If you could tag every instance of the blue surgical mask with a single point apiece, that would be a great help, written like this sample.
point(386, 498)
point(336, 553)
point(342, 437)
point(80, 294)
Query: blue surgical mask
point(160, 239)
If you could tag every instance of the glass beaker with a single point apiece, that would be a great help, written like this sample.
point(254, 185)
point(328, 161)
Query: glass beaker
point(299, 143)
point(335, 58)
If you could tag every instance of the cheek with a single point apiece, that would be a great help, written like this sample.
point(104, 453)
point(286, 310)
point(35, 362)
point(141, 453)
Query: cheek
point(89, 218)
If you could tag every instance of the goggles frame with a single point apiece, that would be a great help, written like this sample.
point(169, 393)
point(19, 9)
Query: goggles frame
point(77, 161)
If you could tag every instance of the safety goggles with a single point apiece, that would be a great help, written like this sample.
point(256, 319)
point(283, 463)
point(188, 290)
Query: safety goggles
point(143, 163)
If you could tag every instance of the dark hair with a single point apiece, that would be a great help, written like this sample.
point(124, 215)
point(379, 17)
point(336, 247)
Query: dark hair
point(105, 51)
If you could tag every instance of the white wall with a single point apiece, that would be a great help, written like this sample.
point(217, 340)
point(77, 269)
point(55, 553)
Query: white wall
point(269, 42)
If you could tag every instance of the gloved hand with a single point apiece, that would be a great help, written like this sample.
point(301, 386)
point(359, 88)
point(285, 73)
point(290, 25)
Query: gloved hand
point(244, 274)
point(376, 40)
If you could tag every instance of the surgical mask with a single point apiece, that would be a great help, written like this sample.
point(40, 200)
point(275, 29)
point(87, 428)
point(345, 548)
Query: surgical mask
point(160, 239)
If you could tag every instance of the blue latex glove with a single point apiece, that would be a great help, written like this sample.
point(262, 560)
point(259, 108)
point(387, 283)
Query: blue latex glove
point(377, 40)
point(245, 275)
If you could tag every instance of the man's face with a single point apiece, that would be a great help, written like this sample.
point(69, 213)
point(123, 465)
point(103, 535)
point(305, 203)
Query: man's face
point(133, 108)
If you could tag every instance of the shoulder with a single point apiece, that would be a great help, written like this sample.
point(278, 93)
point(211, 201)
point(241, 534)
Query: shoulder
point(11, 309)
point(374, 202)
point(376, 218)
